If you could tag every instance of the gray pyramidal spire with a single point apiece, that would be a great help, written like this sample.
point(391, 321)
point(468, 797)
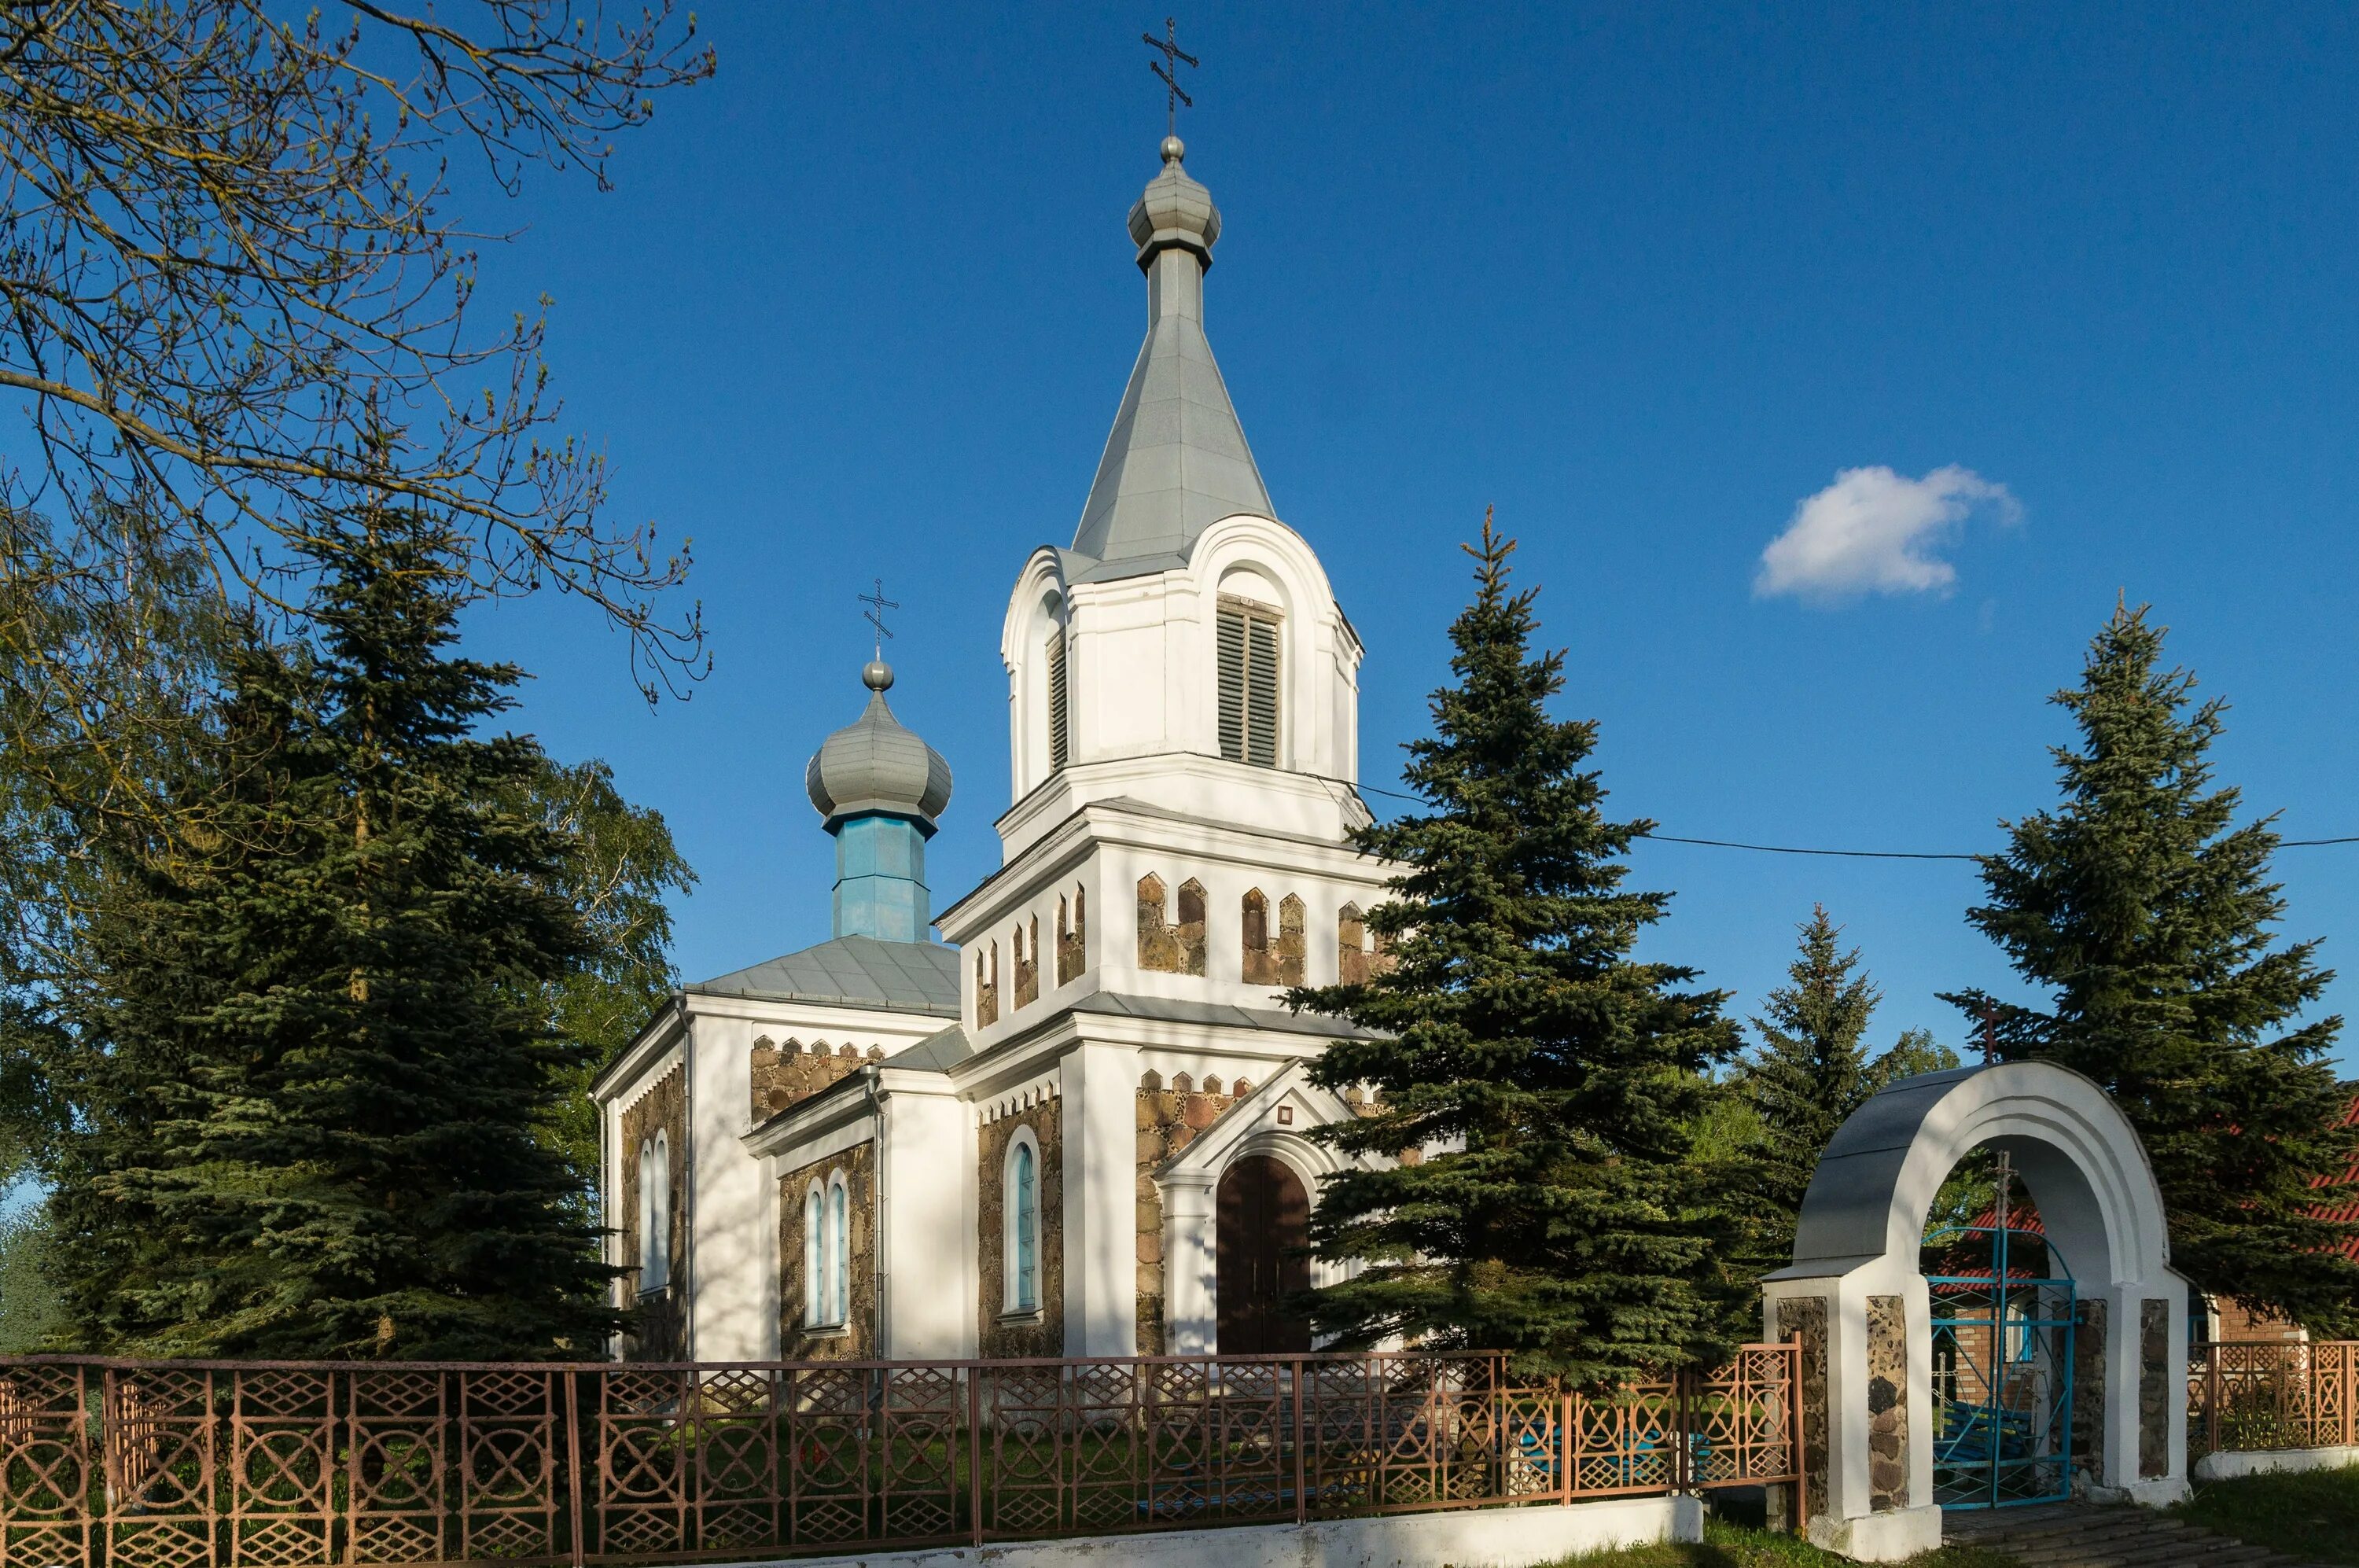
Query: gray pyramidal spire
point(1177, 461)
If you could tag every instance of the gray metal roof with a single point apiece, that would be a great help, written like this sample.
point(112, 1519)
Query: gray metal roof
point(936, 1052)
point(853, 972)
point(1177, 460)
point(1172, 1011)
point(878, 764)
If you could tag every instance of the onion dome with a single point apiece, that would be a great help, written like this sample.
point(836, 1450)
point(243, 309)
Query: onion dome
point(876, 765)
point(1175, 210)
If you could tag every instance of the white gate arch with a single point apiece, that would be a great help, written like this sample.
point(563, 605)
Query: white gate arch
point(1855, 1295)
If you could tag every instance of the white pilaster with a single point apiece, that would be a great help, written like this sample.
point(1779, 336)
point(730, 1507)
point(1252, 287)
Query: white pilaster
point(1101, 1138)
point(1191, 1260)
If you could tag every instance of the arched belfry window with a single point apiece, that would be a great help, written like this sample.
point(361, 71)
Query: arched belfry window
point(1020, 1235)
point(1060, 732)
point(1248, 681)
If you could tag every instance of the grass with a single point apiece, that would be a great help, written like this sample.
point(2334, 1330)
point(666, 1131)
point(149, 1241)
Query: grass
point(1732, 1546)
point(2313, 1515)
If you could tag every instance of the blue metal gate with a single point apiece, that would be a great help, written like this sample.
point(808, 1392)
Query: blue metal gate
point(2002, 1371)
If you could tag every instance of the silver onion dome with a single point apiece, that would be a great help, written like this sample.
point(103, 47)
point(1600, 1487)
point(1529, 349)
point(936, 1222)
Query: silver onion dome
point(877, 765)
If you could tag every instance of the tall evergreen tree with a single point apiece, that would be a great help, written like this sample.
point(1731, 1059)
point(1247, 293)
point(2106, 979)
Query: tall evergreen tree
point(313, 1070)
point(1550, 1083)
point(1812, 1071)
point(2144, 912)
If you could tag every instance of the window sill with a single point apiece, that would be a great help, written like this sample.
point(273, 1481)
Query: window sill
point(1030, 1317)
point(828, 1331)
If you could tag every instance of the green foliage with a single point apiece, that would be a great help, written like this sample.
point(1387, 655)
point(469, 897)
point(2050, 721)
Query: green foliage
point(618, 864)
point(314, 1056)
point(1812, 1071)
point(2312, 1516)
point(32, 1316)
point(2145, 914)
point(1553, 1083)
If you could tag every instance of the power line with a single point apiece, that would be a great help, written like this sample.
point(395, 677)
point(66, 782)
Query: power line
point(1834, 854)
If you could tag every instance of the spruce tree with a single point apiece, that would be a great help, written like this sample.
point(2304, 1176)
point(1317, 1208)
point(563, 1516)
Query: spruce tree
point(1812, 1071)
point(2144, 914)
point(1550, 1083)
point(314, 1069)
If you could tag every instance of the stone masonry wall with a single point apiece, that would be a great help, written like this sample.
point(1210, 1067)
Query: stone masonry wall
point(1169, 1121)
point(857, 1341)
point(662, 1109)
point(1887, 1403)
point(2156, 1389)
point(785, 1075)
point(2089, 1390)
point(1807, 1316)
point(1027, 1336)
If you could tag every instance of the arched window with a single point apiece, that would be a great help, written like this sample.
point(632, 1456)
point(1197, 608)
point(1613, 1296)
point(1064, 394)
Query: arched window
point(657, 1273)
point(838, 1247)
point(646, 1212)
point(1059, 732)
point(1248, 681)
point(1020, 1240)
point(814, 1258)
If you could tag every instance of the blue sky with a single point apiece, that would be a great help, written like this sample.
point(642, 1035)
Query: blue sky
point(1647, 279)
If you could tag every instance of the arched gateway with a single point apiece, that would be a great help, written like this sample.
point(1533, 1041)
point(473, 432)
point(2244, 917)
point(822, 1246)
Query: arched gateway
point(1855, 1295)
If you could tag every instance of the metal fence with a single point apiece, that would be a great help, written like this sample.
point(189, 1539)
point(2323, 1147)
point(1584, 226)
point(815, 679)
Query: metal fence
point(2270, 1395)
point(195, 1464)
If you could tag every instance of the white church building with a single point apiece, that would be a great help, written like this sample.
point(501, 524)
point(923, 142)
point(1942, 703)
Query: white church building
point(1076, 1125)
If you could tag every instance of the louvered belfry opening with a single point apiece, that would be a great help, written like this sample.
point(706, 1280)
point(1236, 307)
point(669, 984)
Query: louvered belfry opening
point(1058, 750)
point(1249, 674)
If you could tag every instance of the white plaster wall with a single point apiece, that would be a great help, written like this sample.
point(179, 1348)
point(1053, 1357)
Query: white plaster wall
point(733, 1289)
point(2227, 1466)
point(1100, 1225)
point(924, 1235)
point(1463, 1537)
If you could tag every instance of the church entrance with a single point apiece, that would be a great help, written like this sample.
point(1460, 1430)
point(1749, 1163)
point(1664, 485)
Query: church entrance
point(1264, 1223)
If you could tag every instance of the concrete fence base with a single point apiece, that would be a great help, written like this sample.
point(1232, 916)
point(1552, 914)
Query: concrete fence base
point(2230, 1464)
point(1464, 1537)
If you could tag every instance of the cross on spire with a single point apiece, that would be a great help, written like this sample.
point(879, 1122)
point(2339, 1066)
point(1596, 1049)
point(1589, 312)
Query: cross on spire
point(1167, 46)
point(875, 615)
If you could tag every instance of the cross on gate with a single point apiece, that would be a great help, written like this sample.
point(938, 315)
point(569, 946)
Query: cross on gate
point(1167, 46)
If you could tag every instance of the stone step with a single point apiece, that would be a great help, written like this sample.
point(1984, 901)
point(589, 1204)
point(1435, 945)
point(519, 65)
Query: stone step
point(2079, 1535)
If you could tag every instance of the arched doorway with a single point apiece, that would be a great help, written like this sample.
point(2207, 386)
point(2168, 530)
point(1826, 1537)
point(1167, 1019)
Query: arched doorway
point(1263, 1223)
point(1858, 1299)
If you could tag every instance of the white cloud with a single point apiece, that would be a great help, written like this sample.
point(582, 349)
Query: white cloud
point(1874, 532)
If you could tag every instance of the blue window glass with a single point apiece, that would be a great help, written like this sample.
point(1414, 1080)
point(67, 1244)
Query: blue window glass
point(839, 1240)
point(1027, 1228)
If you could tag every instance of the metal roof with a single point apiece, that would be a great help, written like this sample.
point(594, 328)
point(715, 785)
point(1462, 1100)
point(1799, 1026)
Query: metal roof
point(1177, 461)
point(853, 972)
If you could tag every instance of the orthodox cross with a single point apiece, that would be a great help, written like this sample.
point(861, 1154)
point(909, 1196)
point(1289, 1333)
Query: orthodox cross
point(875, 615)
point(1167, 46)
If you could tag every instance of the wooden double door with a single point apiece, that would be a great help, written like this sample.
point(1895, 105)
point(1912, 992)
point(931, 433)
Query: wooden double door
point(1264, 1223)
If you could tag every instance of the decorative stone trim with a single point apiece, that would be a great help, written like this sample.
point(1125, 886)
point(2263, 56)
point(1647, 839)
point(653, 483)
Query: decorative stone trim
point(2156, 1389)
point(1807, 1316)
point(785, 1075)
point(2088, 1389)
point(1169, 1121)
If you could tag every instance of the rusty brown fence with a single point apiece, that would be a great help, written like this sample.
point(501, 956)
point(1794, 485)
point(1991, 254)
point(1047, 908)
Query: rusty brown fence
point(2270, 1394)
point(195, 1464)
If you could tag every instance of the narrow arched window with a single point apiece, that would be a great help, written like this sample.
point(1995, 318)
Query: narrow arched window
point(1248, 681)
point(1022, 1199)
point(658, 1273)
point(646, 1212)
point(1060, 742)
point(838, 1247)
point(814, 1258)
